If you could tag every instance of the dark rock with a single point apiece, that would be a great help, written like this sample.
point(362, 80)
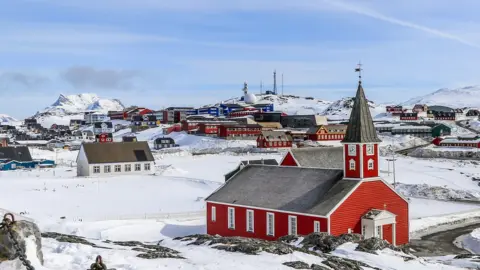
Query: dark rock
point(466, 256)
point(239, 244)
point(319, 267)
point(289, 239)
point(152, 251)
point(325, 242)
point(21, 230)
point(297, 265)
point(338, 263)
point(371, 245)
point(67, 238)
point(127, 243)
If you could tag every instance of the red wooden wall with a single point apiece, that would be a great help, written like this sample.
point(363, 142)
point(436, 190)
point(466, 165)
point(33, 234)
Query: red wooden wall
point(366, 172)
point(372, 194)
point(352, 173)
point(305, 224)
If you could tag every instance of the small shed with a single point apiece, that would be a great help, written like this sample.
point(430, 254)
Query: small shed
point(164, 142)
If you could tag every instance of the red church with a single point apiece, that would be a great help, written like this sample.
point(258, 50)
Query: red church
point(268, 202)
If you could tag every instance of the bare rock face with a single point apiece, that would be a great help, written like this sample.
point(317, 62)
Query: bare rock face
point(21, 230)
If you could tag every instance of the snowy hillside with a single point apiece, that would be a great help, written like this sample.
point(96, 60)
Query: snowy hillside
point(73, 106)
point(468, 96)
point(342, 108)
point(8, 120)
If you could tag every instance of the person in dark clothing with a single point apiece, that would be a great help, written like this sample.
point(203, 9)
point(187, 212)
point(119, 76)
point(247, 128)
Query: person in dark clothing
point(98, 264)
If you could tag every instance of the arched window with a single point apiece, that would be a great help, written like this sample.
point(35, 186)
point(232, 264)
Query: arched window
point(352, 164)
point(370, 164)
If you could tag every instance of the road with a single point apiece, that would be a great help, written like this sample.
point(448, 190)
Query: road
point(441, 243)
point(460, 124)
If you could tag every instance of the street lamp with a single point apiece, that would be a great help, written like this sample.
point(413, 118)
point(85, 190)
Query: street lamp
point(393, 161)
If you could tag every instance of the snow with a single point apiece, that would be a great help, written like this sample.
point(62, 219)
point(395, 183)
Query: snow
point(464, 97)
point(341, 109)
point(470, 242)
point(7, 120)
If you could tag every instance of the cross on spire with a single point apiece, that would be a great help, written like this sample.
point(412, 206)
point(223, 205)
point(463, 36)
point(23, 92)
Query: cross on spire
point(359, 70)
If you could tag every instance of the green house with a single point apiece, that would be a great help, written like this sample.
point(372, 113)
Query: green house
point(441, 130)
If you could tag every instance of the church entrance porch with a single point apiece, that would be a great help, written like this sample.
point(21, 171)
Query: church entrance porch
point(380, 224)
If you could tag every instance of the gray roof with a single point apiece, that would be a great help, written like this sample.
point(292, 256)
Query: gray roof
point(319, 157)
point(17, 153)
point(116, 152)
point(294, 189)
point(272, 162)
point(360, 126)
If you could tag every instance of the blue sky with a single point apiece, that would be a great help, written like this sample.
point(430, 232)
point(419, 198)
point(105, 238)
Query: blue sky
point(191, 52)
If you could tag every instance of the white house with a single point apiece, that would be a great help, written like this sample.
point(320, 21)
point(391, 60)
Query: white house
point(116, 158)
point(92, 117)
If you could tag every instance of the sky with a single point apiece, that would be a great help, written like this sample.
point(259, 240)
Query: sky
point(159, 53)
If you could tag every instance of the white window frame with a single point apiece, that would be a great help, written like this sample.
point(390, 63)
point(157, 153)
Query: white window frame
point(128, 167)
point(351, 164)
point(96, 169)
point(250, 220)
point(118, 168)
point(231, 218)
point(272, 232)
point(107, 169)
point(316, 226)
point(214, 214)
point(370, 164)
point(291, 230)
point(146, 166)
point(370, 149)
point(138, 167)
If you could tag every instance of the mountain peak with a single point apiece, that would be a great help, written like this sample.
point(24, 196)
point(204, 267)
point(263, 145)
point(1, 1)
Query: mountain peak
point(78, 103)
point(467, 96)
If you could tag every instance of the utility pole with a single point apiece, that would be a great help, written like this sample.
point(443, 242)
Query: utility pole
point(282, 84)
point(275, 82)
point(261, 87)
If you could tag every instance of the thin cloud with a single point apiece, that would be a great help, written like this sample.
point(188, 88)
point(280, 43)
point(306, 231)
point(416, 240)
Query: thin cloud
point(392, 20)
point(83, 77)
point(10, 78)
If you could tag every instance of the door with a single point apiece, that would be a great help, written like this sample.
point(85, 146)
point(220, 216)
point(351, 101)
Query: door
point(387, 233)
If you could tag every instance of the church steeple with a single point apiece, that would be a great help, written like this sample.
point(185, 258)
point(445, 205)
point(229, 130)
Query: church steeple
point(360, 127)
point(361, 140)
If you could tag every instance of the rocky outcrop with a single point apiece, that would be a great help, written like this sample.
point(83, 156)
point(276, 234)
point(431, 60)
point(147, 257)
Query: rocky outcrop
point(338, 263)
point(325, 242)
point(297, 265)
point(67, 238)
point(149, 251)
point(21, 230)
point(239, 244)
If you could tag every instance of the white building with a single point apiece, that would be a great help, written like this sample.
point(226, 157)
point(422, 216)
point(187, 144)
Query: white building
point(92, 117)
point(103, 127)
point(116, 158)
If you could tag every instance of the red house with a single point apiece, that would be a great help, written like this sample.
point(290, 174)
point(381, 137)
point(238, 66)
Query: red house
point(274, 139)
point(239, 132)
point(268, 202)
point(413, 116)
point(327, 133)
point(472, 142)
point(104, 138)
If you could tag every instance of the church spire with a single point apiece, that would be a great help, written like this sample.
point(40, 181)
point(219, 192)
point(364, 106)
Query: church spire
point(360, 127)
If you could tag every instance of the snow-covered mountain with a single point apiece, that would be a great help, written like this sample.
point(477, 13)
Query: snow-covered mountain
point(294, 105)
point(73, 107)
point(5, 119)
point(468, 96)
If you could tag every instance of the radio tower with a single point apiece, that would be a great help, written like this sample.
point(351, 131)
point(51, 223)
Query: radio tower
point(275, 82)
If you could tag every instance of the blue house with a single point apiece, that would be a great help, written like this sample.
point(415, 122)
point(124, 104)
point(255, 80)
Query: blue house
point(18, 157)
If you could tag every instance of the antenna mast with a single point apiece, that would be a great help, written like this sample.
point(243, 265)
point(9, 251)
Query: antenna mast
point(275, 82)
point(282, 84)
point(261, 87)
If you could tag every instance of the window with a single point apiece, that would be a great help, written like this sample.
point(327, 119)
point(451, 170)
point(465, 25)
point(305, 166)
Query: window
point(352, 164)
point(379, 232)
point(270, 224)
point(118, 168)
point(316, 226)
point(250, 221)
point(364, 230)
point(96, 169)
point(370, 164)
point(128, 167)
point(292, 225)
point(370, 149)
point(231, 218)
point(106, 169)
point(138, 167)
point(214, 214)
point(147, 166)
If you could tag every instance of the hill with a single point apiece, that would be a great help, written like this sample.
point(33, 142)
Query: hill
point(468, 96)
point(73, 107)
